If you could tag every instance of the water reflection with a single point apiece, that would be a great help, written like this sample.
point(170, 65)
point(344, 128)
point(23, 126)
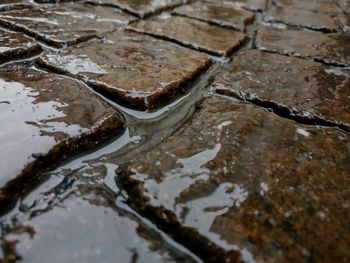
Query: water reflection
point(32, 126)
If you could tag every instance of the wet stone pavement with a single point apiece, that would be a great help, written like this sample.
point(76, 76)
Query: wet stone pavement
point(174, 131)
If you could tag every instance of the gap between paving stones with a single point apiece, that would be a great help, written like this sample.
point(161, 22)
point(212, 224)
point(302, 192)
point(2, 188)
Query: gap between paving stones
point(268, 106)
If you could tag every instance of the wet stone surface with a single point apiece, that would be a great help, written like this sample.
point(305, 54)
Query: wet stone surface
point(47, 119)
point(345, 5)
point(217, 131)
point(254, 5)
point(217, 13)
point(16, 46)
point(6, 5)
point(345, 23)
point(192, 33)
point(318, 93)
point(141, 8)
point(65, 24)
point(333, 49)
point(85, 227)
point(302, 18)
point(232, 175)
point(326, 6)
point(128, 68)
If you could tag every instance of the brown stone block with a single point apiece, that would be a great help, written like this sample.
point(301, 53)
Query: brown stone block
point(245, 180)
point(333, 49)
point(66, 24)
point(192, 33)
point(15, 46)
point(135, 69)
point(217, 13)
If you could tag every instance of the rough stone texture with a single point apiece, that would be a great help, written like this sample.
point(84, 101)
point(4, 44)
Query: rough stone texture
point(6, 5)
point(318, 93)
point(302, 18)
point(192, 33)
point(326, 6)
point(127, 67)
point(247, 180)
point(345, 5)
point(54, 1)
point(141, 8)
point(86, 229)
point(331, 49)
point(65, 24)
point(345, 23)
point(216, 13)
point(47, 119)
point(16, 46)
point(254, 5)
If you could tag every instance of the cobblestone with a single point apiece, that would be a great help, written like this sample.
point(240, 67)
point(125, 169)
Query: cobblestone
point(132, 72)
point(174, 131)
point(345, 23)
point(254, 5)
point(319, 93)
point(331, 49)
point(69, 226)
point(235, 178)
point(7, 5)
point(16, 46)
point(219, 14)
point(302, 18)
point(141, 8)
point(195, 34)
point(326, 6)
point(48, 119)
point(65, 25)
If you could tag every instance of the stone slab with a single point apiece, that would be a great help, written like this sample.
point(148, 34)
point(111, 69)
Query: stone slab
point(65, 24)
point(14, 46)
point(192, 33)
point(345, 5)
point(46, 120)
point(302, 18)
point(141, 8)
point(345, 23)
point(326, 6)
point(333, 49)
point(54, 1)
point(134, 69)
point(217, 13)
point(86, 228)
point(254, 5)
point(246, 180)
point(7, 5)
point(317, 93)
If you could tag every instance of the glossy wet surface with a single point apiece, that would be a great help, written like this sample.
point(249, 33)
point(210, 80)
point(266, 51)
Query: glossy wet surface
point(192, 33)
point(217, 13)
point(302, 18)
point(85, 227)
point(345, 23)
point(6, 5)
point(44, 112)
point(141, 8)
point(318, 93)
point(326, 6)
point(16, 46)
point(126, 66)
point(232, 175)
point(255, 5)
point(174, 131)
point(66, 24)
point(333, 49)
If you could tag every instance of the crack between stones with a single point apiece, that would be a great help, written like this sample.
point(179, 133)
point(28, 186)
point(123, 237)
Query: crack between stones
point(283, 111)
